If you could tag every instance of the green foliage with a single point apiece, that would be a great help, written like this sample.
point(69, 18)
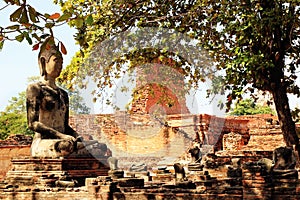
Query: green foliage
point(76, 102)
point(14, 119)
point(13, 123)
point(17, 104)
point(249, 40)
point(115, 42)
point(28, 24)
point(248, 107)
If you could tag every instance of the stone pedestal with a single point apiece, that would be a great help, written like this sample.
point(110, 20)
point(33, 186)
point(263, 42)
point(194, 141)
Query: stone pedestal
point(256, 185)
point(30, 171)
point(163, 175)
point(145, 175)
point(195, 167)
point(285, 184)
point(115, 174)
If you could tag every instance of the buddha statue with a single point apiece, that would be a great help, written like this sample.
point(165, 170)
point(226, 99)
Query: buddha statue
point(48, 110)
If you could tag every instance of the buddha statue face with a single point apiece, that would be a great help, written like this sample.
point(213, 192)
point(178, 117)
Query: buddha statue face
point(53, 66)
point(50, 62)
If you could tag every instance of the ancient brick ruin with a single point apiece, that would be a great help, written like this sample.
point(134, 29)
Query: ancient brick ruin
point(147, 148)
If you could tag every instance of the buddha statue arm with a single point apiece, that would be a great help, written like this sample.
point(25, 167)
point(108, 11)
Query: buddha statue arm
point(33, 101)
point(68, 129)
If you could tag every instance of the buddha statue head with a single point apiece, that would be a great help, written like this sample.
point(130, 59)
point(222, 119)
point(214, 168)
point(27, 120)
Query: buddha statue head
point(45, 56)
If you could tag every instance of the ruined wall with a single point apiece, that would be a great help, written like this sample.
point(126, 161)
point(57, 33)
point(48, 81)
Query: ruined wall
point(129, 135)
point(14, 146)
point(135, 133)
point(7, 153)
point(135, 136)
point(126, 137)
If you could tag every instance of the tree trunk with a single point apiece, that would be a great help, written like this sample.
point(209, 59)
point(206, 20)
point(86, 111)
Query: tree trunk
point(285, 118)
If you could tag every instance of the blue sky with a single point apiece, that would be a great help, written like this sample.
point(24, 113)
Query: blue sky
point(18, 61)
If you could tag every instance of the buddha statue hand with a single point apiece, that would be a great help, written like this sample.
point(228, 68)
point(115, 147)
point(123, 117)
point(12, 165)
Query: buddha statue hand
point(68, 137)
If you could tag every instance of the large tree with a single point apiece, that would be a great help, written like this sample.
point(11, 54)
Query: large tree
point(255, 42)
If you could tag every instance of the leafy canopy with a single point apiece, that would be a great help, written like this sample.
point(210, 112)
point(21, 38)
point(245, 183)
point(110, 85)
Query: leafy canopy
point(254, 42)
point(249, 107)
point(13, 120)
point(247, 38)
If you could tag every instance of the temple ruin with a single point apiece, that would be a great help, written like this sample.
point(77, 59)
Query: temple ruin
point(234, 154)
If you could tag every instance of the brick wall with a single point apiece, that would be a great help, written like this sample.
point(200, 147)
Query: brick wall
point(138, 137)
point(132, 135)
point(7, 153)
point(159, 89)
point(156, 99)
point(126, 137)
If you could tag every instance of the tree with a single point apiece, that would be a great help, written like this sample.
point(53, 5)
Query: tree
point(248, 39)
point(77, 105)
point(13, 120)
point(248, 107)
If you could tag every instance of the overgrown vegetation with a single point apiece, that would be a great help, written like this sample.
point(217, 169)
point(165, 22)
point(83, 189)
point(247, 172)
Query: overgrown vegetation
point(249, 107)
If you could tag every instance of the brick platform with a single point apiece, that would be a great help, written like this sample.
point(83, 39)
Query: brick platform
point(46, 171)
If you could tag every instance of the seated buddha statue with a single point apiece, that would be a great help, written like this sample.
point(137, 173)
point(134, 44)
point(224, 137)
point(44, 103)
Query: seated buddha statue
point(48, 110)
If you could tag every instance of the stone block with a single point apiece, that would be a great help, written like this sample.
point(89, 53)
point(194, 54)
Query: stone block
point(130, 182)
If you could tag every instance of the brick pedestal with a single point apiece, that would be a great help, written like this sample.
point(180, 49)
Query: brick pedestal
point(255, 184)
point(45, 172)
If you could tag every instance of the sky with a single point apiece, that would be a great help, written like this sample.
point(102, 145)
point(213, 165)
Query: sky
point(18, 61)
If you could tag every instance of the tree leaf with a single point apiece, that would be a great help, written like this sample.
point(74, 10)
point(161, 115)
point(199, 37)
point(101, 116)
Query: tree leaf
point(24, 18)
point(64, 17)
point(20, 37)
point(32, 14)
point(1, 44)
point(36, 47)
point(27, 25)
point(15, 16)
point(49, 25)
point(63, 48)
point(54, 16)
point(89, 20)
point(78, 22)
point(13, 27)
point(27, 37)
